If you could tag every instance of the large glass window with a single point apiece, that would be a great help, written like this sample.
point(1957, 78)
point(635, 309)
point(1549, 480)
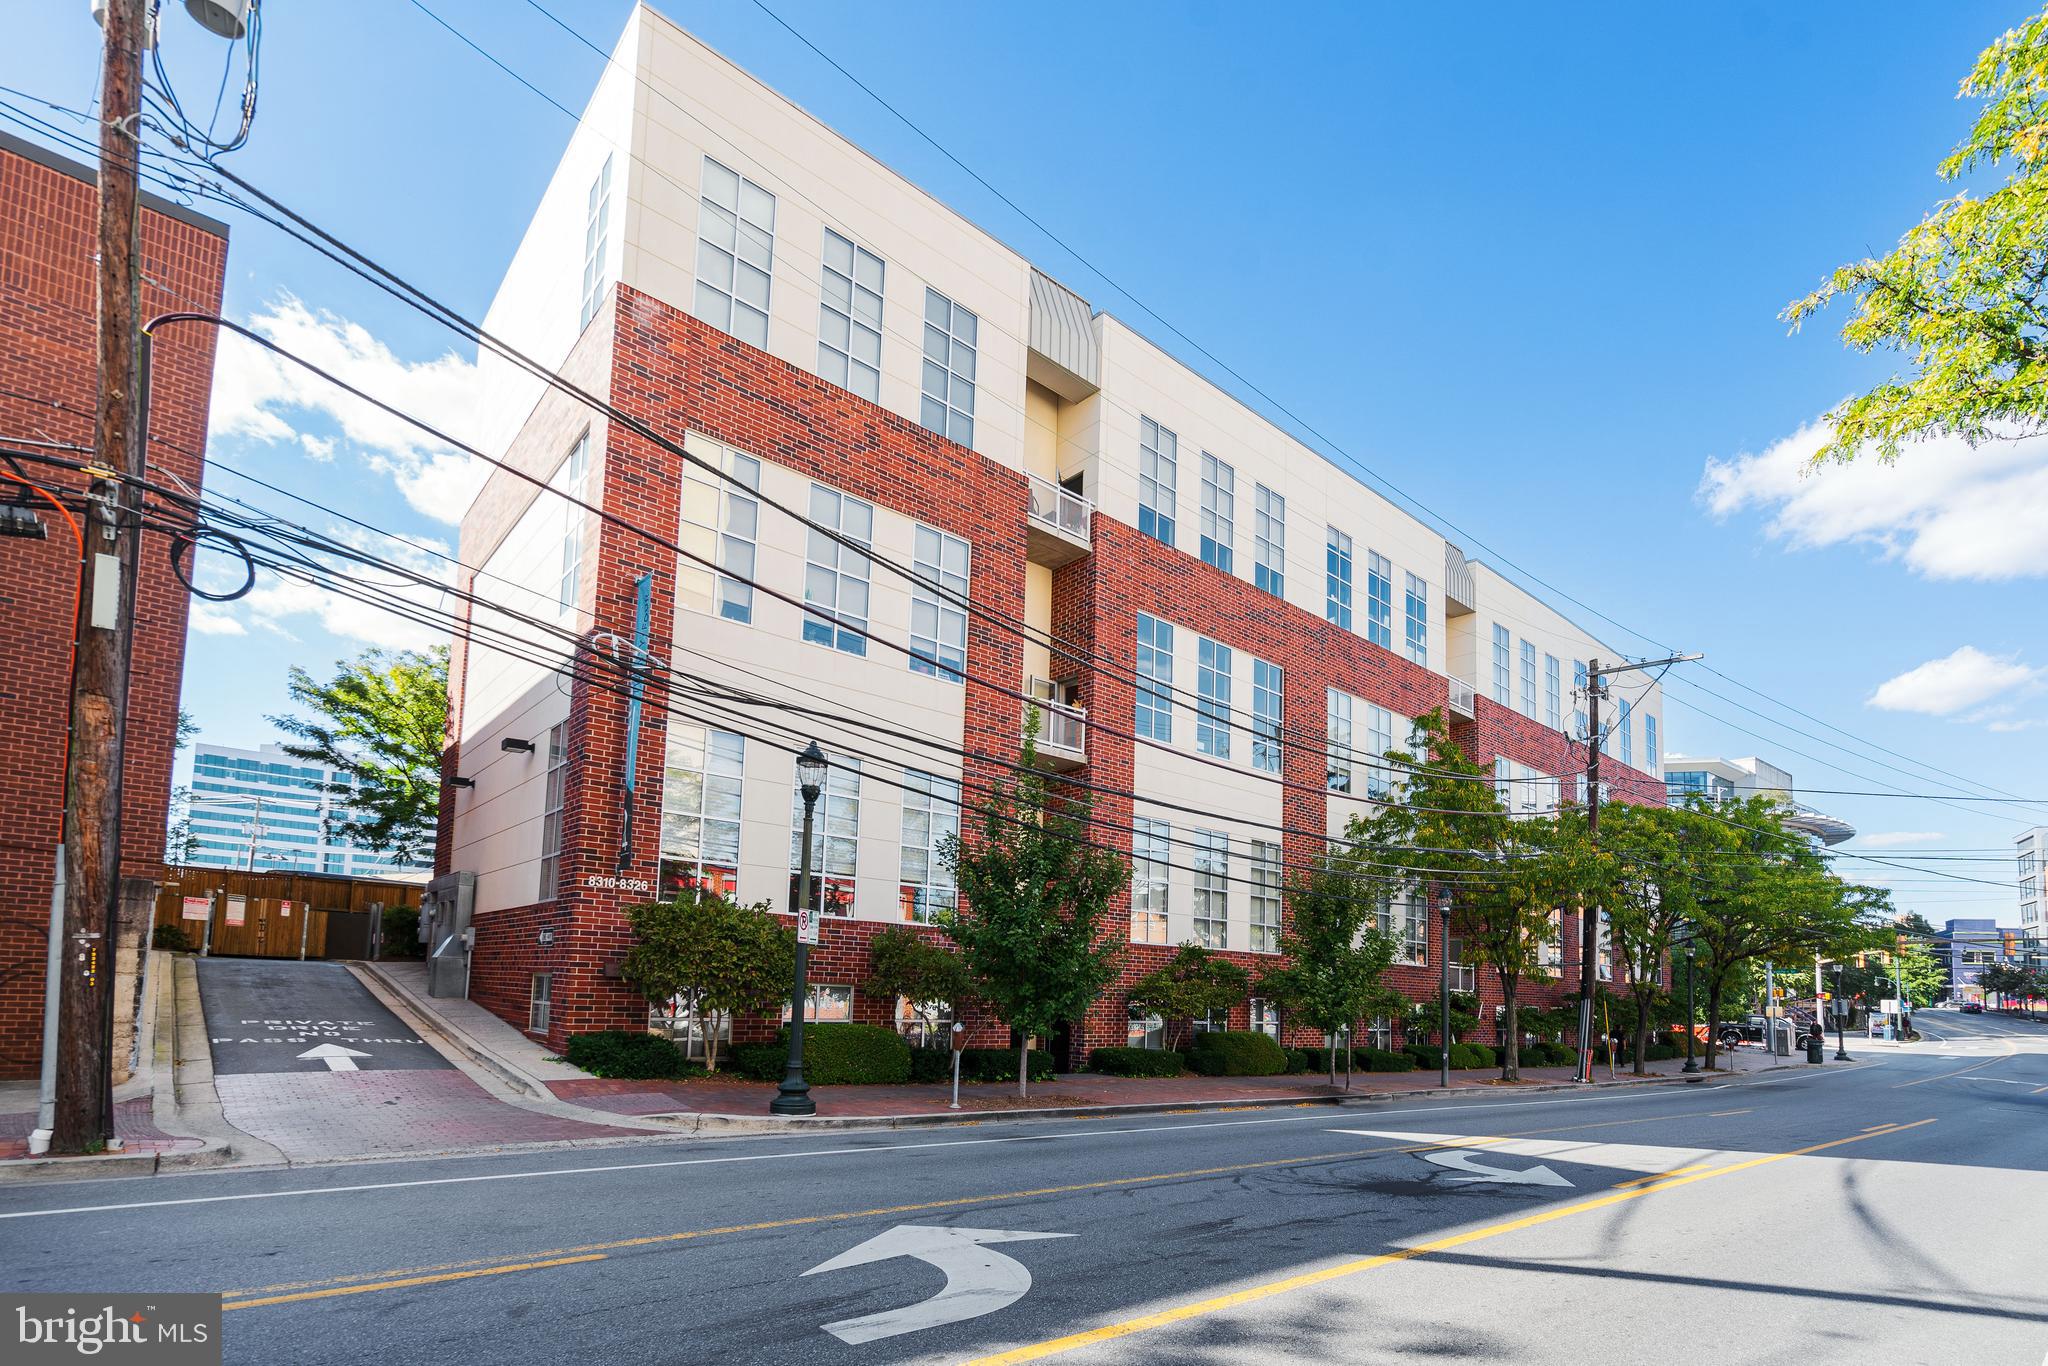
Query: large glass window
point(1625, 723)
point(835, 839)
point(1267, 686)
point(1528, 678)
point(1212, 698)
point(1153, 717)
point(1146, 1031)
point(735, 253)
point(1337, 578)
point(824, 1004)
point(1553, 694)
point(835, 574)
point(938, 623)
point(574, 475)
point(700, 809)
point(1158, 479)
point(721, 523)
point(1338, 737)
point(1417, 603)
point(1650, 745)
point(1379, 780)
point(1265, 1017)
point(1403, 918)
point(1269, 541)
point(1212, 889)
point(1219, 513)
point(850, 317)
point(1379, 600)
point(551, 811)
point(597, 217)
point(951, 339)
point(1579, 700)
point(1151, 857)
point(1502, 650)
point(931, 816)
point(1265, 897)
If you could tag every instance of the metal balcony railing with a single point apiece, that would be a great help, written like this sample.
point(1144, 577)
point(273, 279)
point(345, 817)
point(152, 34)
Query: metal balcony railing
point(1461, 697)
point(1062, 733)
point(1060, 522)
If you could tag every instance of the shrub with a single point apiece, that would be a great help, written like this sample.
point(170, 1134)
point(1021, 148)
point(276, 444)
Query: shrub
point(1300, 1060)
point(627, 1055)
point(400, 936)
point(1663, 1052)
point(1427, 1056)
point(761, 1061)
point(1135, 1062)
point(1236, 1053)
point(1473, 1055)
point(853, 1055)
point(171, 939)
point(933, 1064)
point(1382, 1060)
point(1000, 1064)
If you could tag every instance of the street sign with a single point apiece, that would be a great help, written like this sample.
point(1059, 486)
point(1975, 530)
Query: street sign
point(196, 908)
point(806, 925)
point(238, 910)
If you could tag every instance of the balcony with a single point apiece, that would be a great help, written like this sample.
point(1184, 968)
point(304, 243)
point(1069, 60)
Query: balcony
point(1062, 729)
point(1461, 698)
point(1059, 523)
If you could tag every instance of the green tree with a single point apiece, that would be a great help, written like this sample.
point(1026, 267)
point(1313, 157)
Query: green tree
point(1335, 952)
point(1037, 894)
point(180, 844)
point(1965, 292)
point(931, 977)
point(1190, 985)
point(704, 957)
point(1647, 892)
point(381, 720)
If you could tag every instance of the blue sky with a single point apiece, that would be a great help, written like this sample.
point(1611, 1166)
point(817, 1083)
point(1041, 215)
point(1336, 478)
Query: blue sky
point(1528, 267)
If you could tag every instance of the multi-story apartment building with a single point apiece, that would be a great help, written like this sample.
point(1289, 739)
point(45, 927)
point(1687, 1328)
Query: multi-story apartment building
point(49, 383)
point(1722, 780)
point(264, 810)
point(2029, 848)
point(929, 489)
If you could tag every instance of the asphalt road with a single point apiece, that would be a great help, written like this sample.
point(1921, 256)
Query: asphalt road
point(1885, 1211)
point(272, 1015)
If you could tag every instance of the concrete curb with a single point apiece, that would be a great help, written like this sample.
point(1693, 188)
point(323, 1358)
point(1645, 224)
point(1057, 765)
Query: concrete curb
point(186, 1103)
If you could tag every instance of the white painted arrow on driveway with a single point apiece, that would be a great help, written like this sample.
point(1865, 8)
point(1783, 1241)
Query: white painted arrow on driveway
point(337, 1058)
point(979, 1280)
point(1479, 1171)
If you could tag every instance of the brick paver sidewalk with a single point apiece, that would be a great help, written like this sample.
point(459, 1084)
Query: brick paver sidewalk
point(134, 1121)
point(729, 1096)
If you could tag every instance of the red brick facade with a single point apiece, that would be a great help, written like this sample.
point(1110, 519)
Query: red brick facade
point(48, 383)
point(681, 375)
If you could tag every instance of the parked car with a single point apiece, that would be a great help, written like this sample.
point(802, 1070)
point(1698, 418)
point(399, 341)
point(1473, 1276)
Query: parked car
point(1972, 1007)
point(1732, 1032)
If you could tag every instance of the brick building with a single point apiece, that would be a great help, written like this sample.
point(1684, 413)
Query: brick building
point(48, 385)
point(1220, 629)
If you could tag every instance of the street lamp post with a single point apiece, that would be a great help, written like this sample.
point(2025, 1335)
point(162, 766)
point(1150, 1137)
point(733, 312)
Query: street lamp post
point(1692, 1064)
point(1841, 1048)
point(793, 1097)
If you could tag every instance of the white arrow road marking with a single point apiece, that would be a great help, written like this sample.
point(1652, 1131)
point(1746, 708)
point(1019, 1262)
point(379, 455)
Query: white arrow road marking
point(978, 1280)
point(1465, 1162)
point(337, 1058)
point(1634, 1157)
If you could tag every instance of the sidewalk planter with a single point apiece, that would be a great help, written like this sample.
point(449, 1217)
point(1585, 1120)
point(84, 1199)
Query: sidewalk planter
point(1135, 1062)
point(1236, 1053)
point(624, 1055)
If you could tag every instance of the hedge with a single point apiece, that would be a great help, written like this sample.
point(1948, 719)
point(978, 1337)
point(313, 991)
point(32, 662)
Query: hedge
point(629, 1055)
point(1381, 1060)
point(1464, 1056)
point(1236, 1053)
point(834, 1055)
point(1000, 1064)
point(1135, 1062)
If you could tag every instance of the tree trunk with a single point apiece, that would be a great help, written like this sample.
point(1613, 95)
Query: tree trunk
point(1642, 1034)
point(1511, 1047)
point(1024, 1067)
point(1713, 1021)
point(1331, 1040)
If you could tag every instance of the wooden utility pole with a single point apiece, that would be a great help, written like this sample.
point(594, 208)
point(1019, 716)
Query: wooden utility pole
point(1589, 915)
point(106, 619)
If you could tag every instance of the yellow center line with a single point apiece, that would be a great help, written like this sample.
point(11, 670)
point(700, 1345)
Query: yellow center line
point(293, 1291)
point(1111, 1331)
point(1646, 1180)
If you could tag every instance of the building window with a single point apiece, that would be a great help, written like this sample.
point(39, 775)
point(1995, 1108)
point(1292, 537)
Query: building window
point(1553, 694)
point(1219, 513)
point(721, 523)
point(1650, 745)
point(1528, 662)
point(551, 811)
point(850, 317)
point(938, 623)
point(1265, 897)
point(1147, 1031)
point(735, 253)
point(1264, 1017)
point(931, 817)
point(1212, 889)
point(1379, 600)
point(925, 1024)
point(1151, 853)
point(1624, 724)
point(1267, 686)
point(1212, 698)
point(1579, 731)
point(836, 575)
point(540, 991)
point(690, 1030)
point(1209, 1022)
point(835, 839)
point(1337, 579)
point(597, 216)
point(1464, 976)
point(1418, 620)
point(1379, 779)
point(824, 1004)
point(574, 475)
point(1337, 733)
point(1158, 461)
point(1269, 541)
point(700, 810)
point(1153, 717)
point(950, 340)
point(1501, 651)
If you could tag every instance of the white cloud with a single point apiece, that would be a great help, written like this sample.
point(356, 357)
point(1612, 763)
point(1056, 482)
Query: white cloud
point(1898, 839)
point(1957, 682)
point(211, 620)
point(1946, 510)
point(256, 394)
point(278, 603)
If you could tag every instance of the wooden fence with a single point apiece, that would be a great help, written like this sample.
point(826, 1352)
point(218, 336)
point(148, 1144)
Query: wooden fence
point(275, 914)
